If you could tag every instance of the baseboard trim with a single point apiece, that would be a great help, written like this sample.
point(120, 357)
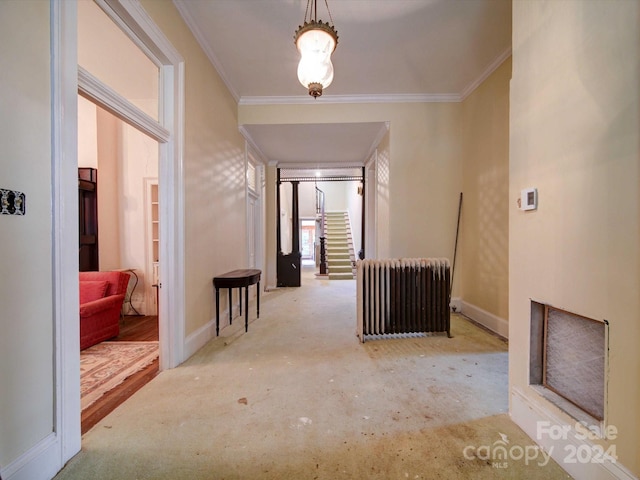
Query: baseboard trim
point(527, 415)
point(456, 304)
point(41, 462)
point(486, 319)
point(199, 338)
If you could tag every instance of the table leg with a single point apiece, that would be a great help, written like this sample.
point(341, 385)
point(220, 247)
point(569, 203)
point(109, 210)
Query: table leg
point(217, 311)
point(246, 308)
point(230, 306)
point(258, 301)
point(240, 300)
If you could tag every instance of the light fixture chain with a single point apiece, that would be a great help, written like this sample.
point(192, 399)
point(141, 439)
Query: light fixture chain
point(330, 17)
point(307, 11)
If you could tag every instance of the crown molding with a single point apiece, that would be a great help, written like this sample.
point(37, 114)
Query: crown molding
point(181, 6)
point(336, 99)
point(317, 165)
point(197, 33)
point(252, 145)
point(499, 60)
point(374, 145)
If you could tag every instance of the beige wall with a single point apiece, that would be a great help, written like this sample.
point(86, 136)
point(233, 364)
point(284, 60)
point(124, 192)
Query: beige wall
point(214, 172)
point(483, 248)
point(422, 165)
point(26, 323)
point(109, 148)
point(270, 266)
point(354, 207)
point(87, 134)
point(137, 163)
point(575, 133)
point(108, 54)
point(381, 234)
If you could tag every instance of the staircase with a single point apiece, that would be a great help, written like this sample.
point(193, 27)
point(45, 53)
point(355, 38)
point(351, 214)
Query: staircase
point(339, 246)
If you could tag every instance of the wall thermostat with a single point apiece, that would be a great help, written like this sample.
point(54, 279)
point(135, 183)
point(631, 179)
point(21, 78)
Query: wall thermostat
point(529, 199)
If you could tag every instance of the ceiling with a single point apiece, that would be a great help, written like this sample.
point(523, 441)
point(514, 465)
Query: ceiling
point(388, 50)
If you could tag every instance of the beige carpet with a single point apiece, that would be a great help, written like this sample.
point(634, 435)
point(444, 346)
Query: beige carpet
point(298, 397)
point(107, 364)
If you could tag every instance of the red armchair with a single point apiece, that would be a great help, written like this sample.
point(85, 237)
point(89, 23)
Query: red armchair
point(101, 298)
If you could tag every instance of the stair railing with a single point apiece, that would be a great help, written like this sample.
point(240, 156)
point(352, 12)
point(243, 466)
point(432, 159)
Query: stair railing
point(320, 213)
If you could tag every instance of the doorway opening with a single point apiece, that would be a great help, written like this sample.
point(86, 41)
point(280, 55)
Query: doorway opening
point(320, 222)
point(121, 212)
point(132, 90)
point(308, 241)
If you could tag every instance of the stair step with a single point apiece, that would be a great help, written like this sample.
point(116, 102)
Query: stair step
point(339, 261)
point(340, 276)
point(337, 243)
point(339, 256)
point(340, 269)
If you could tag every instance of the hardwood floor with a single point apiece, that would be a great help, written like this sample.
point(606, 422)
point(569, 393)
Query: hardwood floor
point(138, 329)
point(132, 329)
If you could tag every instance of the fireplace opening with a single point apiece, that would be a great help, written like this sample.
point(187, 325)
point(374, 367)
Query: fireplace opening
point(568, 357)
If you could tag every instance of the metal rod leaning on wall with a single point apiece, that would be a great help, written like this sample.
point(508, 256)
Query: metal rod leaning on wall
point(455, 248)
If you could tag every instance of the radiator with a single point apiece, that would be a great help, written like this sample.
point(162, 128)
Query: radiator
point(409, 295)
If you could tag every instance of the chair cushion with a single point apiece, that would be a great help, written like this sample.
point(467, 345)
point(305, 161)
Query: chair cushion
point(91, 290)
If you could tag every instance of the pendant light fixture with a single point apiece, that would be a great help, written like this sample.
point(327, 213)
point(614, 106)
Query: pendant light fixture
point(316, 41)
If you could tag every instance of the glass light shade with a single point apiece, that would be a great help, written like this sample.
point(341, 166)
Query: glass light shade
point(315, 47)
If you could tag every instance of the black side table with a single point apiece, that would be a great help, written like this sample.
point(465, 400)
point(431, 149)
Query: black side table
point(237, 279)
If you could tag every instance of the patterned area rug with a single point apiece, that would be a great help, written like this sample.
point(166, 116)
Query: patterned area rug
point(107, 364)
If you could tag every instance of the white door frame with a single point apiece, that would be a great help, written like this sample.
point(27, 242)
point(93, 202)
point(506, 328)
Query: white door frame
point(142, 30)
point(255, 157)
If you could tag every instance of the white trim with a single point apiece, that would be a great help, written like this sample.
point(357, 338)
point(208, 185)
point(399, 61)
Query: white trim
point(370, 163)
point(133, 19)
point(255, 150)
point(146, 34)
point(376, 141)
point(338, 99)
point(149, 293)
point(66, 440)
point(316, 165)
point(171, 308)
point(493, 66)
point(121, 17)
point(104, 96)
point(200, 38)
point(487, 319)
point(526, 414)
point(456, 304)
point(49, 456)
point(198, 339)
point(39, 462)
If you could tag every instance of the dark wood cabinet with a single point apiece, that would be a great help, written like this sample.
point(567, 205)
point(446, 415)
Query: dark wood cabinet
point(88, 218)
